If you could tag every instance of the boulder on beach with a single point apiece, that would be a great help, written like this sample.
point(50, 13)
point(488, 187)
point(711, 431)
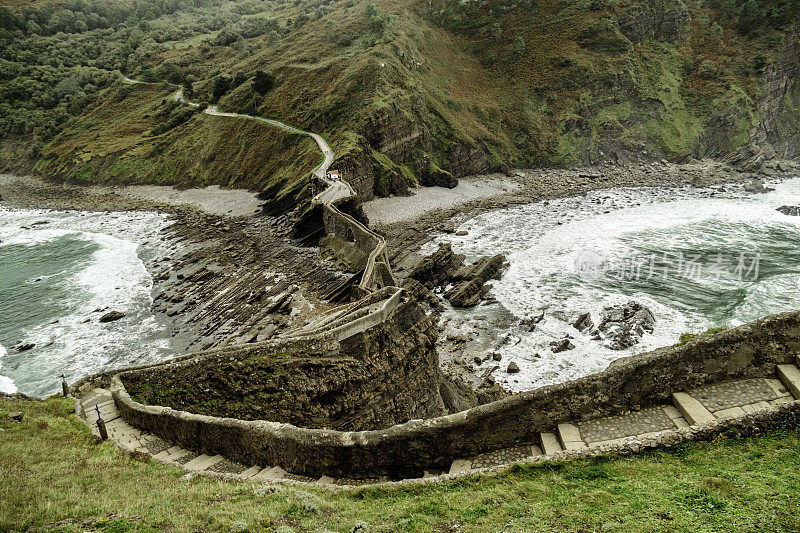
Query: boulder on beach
point(512, 368)
point(111, 316)
point(623, 325)
point(756, 186)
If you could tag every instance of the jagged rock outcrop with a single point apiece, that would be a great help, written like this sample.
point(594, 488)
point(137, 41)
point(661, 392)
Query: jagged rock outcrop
point(437, 268)
point(472, 286)
point(444, 267)
point(583, 323)
point(791, 210)
point(623, 325)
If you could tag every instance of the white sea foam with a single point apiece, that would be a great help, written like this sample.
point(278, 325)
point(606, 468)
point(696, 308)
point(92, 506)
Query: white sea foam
point(541, 242)
point(6, 383)
point(113, 276)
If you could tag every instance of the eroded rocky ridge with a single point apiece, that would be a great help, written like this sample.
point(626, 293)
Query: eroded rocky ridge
point(466, 284)
point(384, 376)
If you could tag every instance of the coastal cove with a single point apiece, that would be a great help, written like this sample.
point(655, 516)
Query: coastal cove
point(60, 272)
point(698, 258)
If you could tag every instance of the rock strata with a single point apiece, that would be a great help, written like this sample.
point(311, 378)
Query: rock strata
point(472, 281)
point(444, 267)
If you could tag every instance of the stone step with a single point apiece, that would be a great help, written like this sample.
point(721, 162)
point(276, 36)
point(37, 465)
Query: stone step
point(460, 465)
point(675, 416)
point(270, 472)
point(570, 437)
point(691, 409)
point(250, 472)
point(790, 376)
point(202, 462)
point(549, 443)
point(170, 454)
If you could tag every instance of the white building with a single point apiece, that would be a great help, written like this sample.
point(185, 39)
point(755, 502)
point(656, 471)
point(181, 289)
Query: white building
point(333, 175)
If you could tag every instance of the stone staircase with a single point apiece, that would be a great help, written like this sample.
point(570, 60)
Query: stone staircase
point(730, 399)
point(709, 403)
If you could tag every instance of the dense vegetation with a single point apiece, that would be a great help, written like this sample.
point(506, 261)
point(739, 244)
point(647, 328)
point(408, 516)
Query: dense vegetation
point(56, 477)
point(405, 91)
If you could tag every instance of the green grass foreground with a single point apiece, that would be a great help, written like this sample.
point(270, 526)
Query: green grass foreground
point(57, 477)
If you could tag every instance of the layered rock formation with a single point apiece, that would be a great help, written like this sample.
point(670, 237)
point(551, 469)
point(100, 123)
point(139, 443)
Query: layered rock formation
point(386, 375)
point(470, 282)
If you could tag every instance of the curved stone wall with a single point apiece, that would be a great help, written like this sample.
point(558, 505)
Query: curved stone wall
point(752, 350)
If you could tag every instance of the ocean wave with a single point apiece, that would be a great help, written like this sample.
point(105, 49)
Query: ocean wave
point(112, 275)
point(543, 240)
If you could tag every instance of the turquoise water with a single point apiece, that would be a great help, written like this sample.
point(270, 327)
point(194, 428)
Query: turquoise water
point(59, 272)
point(698, 258)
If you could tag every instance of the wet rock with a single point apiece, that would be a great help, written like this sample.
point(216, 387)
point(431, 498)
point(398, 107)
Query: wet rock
point(112, 316)
point(24, 347)
point(497, 356)
point(512, 368)
point(437, 268)
point(561, 346)
point(473, 286)
point(757, 187)
point(583, 323)
point(791, 210)
point(530, 322)
point(623, 325)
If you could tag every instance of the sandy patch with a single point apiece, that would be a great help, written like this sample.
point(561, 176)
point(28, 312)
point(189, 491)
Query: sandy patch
point(212, 199)
point(404, 208)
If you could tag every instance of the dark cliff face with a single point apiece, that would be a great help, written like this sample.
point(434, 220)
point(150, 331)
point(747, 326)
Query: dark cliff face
point(776, 131)
point(384, 376)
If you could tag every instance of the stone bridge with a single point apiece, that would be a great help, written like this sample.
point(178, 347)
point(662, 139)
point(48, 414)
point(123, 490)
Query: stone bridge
point(744, 380)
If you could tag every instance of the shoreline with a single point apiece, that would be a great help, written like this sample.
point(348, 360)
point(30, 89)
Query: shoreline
point(220, 279)
point(217, 252)
point(404, 239)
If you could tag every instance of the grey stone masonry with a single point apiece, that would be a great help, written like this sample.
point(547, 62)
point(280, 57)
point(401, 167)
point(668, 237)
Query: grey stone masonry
point(737, 401)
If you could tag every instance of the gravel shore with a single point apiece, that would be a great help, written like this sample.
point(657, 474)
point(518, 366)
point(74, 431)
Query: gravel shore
point(383, 211)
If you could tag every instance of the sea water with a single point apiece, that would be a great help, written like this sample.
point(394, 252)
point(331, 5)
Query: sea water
point(60, 271)
point(698, 258)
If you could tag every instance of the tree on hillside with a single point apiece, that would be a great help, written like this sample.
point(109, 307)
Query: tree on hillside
point(241, 47)
point(263, 82)
point(221, 86)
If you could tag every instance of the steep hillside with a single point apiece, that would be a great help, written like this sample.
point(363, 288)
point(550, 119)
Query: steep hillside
point(407, 92)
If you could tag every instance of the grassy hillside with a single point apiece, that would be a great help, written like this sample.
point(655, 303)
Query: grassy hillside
point(406, 91)
point(56, 477)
